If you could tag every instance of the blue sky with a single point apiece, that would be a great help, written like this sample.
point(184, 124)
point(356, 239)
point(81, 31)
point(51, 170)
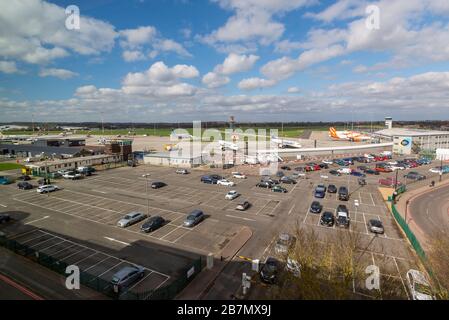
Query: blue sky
point(259, 60)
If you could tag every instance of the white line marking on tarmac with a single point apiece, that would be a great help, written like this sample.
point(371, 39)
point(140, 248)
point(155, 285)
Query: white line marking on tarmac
point(33, 221)
point(4, 206)
point(118, 241)
point(99, 191)
point(243, 218)
point(291, 209)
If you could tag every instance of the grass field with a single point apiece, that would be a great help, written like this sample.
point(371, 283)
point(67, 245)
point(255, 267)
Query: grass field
point(9, 166)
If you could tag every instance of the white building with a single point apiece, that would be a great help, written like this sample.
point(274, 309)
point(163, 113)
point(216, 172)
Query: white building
point(172, 159)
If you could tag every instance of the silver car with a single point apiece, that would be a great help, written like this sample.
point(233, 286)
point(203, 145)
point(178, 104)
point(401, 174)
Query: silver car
point(284, 243)
point(130, 219)
point(375, 226)
point(126, 277)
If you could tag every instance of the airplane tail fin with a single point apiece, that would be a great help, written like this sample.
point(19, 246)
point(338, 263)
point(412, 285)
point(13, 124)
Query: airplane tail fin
point(333, 132)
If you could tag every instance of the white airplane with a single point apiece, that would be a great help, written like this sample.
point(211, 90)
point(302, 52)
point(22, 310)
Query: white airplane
point(282, 143)
point(180, 136)
point(228, 145)
point(348, 135)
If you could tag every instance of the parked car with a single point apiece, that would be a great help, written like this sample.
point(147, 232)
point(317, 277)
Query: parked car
point(287, 180)
point(130, 219)
point(72, 175)
point(323, 166)
point(316, 207)
point(4, 218)
point(24, 185)
point(331, 188)
point(375, 226)
point(280, 174)
point(269, 271)
point(284, 242)
point(362, 168)
point(238, 175)
point(389, 182)
point(320, 191)
point(342, 219)
point(47, 188)
point(279, 189)
point(152, 223)
point(397, 167)
point(194, 217)
point(126, 276)
point(358, 174)
point(157, 185)
point(225, 182)
point(371, 171)
point(343, 193)
point(286, 168)
point(344, 170)
point(265, 184)
point(413, 175)
point(334, 173)
point(242, 206)
point(182, 171)
point(327, 161)
point(419, 286)
point(383, 168)
point(231, 195)
point(209, 180)
point(327, 219)
point(268, 179)
point(293, 267)
point(24, 178)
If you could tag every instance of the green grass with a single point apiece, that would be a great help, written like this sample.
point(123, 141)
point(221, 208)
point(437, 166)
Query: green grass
point(9, 166)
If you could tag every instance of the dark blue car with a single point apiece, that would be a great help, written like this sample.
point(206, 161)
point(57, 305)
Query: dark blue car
point(358, 174)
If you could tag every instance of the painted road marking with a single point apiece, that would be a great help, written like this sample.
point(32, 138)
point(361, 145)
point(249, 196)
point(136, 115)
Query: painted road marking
point(118, 241)
point(243, 218)
point(33, 221)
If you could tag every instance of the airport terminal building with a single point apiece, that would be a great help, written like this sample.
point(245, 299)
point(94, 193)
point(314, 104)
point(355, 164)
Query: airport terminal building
point(408, 141)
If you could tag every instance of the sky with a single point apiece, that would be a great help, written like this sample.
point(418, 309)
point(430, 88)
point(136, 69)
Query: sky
point(258, 60)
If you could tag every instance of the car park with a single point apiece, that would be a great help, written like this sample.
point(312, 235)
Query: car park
point(327, 219)
point(182, 171)
point(152, 223)
point(227, 183)
point(413, 175)
point(4, 218)
point(320, 191)
point(126, 276)
point(194, 217)
point(332, 188)
point(418, 285)
point(47, 188)
point(342, 219)
point(279, 189)
point(270, 270)
point(375, 226)
point(130, 219)
point(157, 184)
point(24, 185)
point(316, 207)
point(238, 175)
point(343, 193)
point(242, 206)
point(284, 243)
point(231, 195)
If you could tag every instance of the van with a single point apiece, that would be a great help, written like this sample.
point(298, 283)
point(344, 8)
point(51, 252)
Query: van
point(343, 194)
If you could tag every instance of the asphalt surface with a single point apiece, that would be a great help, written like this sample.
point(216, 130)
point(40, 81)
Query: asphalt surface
point(430, 211)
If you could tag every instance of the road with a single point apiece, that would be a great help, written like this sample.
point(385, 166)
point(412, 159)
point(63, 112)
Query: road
point(430, 211)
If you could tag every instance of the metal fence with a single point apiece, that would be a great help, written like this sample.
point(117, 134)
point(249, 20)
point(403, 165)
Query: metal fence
point(410, 235)
point(99, 284)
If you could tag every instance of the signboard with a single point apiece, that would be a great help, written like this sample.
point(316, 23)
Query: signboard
point(402, 145)
point(190, 272)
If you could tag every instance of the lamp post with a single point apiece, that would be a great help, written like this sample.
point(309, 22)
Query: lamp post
point(146, 176)
point(441, 168)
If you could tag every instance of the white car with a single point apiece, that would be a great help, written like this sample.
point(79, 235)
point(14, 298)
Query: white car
point(226, 183)
point(393, 163)
point(435, 170)
point(344, 170)
point(238, 175)
point(419, 286)
point(72, 175)
point(396, 167)
point(47, 188)
point(231, 195)
point(327, 161)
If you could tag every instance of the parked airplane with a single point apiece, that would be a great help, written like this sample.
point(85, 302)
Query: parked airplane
point(228, 145)
point(348, 135)
point(282, 143)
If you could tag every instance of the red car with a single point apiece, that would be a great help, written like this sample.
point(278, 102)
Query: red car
point(383, 169)
point(389, 182)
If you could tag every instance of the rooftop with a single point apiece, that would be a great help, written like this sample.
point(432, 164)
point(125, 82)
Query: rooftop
point(410, 132)
point(173, 154)
point(70, 160)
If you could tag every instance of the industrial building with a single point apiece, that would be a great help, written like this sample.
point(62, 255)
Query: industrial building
point(172, 159)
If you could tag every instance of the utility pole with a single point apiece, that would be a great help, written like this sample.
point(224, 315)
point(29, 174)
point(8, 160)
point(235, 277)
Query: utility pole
point(441, 168)
point(146, 175)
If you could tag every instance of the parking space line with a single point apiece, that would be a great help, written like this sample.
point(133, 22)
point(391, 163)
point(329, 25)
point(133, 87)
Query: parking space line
point(94, 265)
point(110, 269)
point(46, 248)
point(94, 253)
point(129, 289)
point(40, 236)
point(71, 246)
point(402, 280)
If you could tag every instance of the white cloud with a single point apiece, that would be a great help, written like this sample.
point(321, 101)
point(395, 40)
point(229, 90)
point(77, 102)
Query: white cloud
point(58, 73)
point(167, 45)
point(293, 90)
point(132, 55)
point(255, 83)
point(34, 31)
point(214, 80)
point(134, 38)
point(236, 63)
point(8, 67)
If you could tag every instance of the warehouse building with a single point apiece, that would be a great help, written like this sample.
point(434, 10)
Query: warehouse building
point(172, 159)
point(408, 141)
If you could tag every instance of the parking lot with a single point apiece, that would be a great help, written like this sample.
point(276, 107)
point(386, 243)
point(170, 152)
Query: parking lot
point(89, 260)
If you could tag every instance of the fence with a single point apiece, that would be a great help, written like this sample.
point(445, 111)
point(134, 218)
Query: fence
point(99, 284)
point(410, 235)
